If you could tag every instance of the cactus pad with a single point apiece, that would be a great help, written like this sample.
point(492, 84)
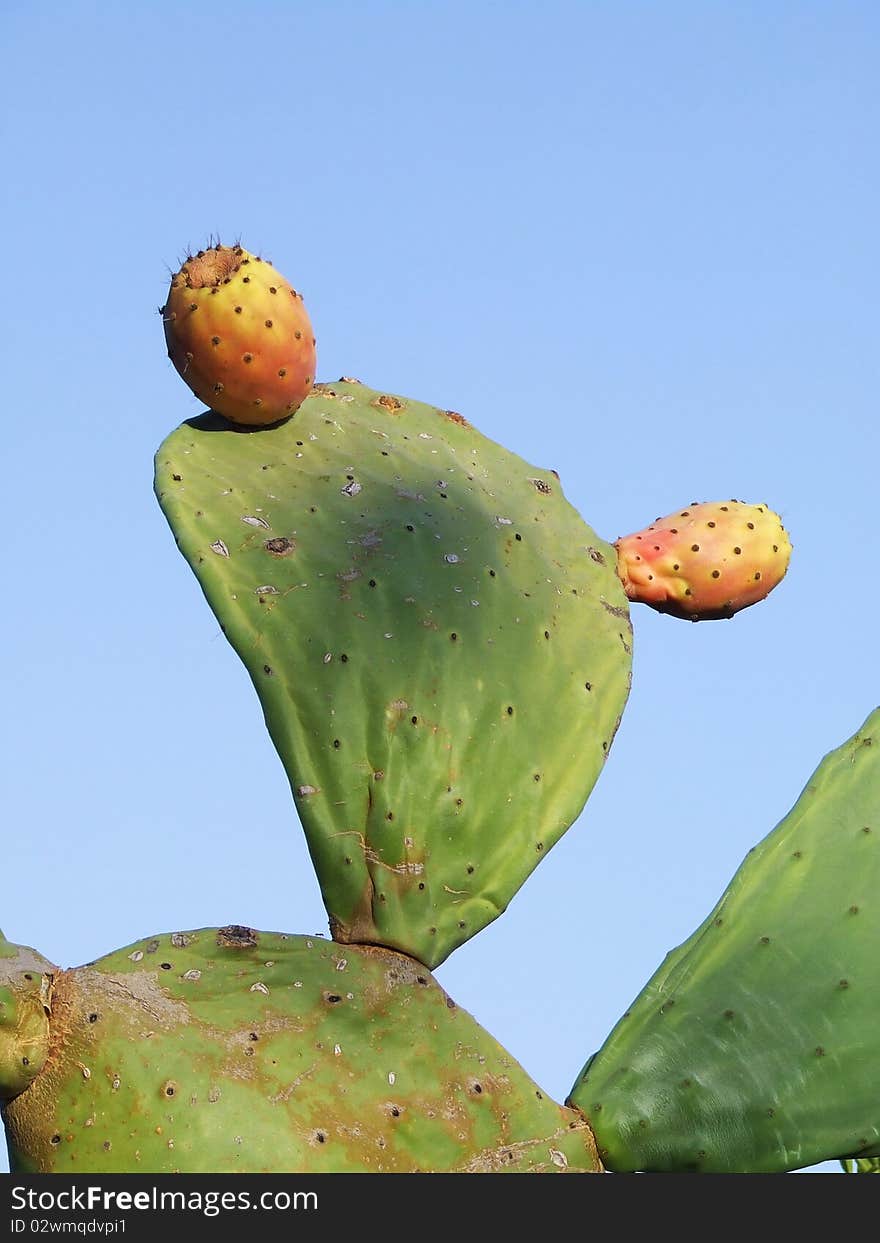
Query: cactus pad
point(234, 1050)
point(25, 992)
point(756, 1045)
point(440, 644)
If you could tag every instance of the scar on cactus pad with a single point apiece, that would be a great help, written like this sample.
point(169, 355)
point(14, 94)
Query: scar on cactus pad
point(707, 561)
point(238, 334)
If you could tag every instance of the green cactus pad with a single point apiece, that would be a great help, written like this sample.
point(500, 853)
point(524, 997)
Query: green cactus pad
point(756, 1045)
point(26, 979)
point(440, 644)
point(234, 1050)
point(866, 1165)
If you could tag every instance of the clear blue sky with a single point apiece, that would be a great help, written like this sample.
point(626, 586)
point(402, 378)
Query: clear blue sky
point(637, 243)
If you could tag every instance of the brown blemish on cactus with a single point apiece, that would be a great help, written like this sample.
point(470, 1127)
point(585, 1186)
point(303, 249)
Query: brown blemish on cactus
point(237, 936)
point(454, 417)
point(280, 546)
point(389, 403)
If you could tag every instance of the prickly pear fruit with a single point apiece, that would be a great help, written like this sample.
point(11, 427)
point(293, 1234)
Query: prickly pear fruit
point(417, 608)
point(238, 334)
point(755, 1047)
point(234, 1050)
point(705, 561)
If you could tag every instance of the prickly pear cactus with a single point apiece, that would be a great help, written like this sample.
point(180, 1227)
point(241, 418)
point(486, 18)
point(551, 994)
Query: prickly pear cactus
point(233, 1050)
point(755, 1046)
point(441, 646)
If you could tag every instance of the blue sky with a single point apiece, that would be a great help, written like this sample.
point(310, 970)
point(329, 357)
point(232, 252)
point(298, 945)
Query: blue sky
point(636, 243)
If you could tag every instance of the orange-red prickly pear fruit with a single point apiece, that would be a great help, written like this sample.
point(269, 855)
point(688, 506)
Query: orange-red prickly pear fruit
point(238, 334)
point(705, 561)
